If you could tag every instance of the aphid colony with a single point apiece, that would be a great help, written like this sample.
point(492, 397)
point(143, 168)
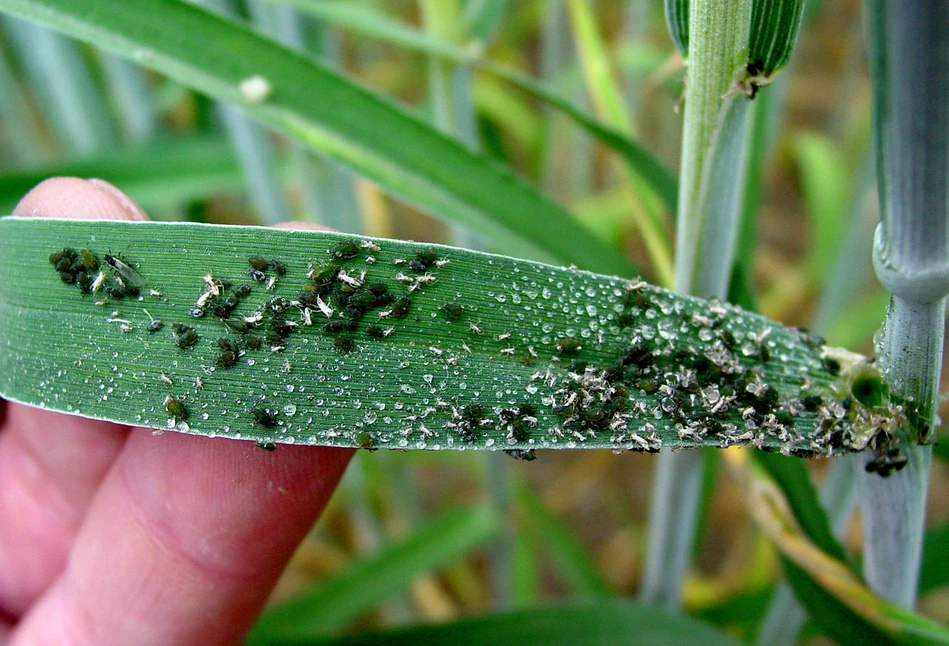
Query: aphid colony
point(714, 390)
point(333, 292)
point(83, 269)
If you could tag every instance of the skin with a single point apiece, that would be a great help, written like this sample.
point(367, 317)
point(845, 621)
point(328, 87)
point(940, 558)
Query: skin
point(112, 535)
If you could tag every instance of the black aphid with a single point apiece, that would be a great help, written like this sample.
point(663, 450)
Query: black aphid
point(278, 304)
point(423, 260)
point(344, 344)
point(155, 325)
point(226, 359)
point(257, 275)
point(279, 268)
point(185, 337)
point(265, 446)
point(238, 325)
point(252, 342)
point(401, 307)
point(242, 291)
point(521, 454)
point(375, 331)
point(452, 310)
point(831, 365)
point(124, 270)
point(377, 288)
point(263, 417)
point(334, 327)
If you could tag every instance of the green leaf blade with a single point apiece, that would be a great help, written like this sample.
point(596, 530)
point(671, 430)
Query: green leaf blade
point(331, 114)
point(492, 353)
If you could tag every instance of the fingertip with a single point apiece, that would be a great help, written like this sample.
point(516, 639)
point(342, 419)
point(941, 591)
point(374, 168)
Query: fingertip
point(78, 199)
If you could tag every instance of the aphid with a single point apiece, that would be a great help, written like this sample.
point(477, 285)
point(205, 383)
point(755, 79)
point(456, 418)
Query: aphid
point(154, 326)
point(196, 312)
point(252, 342)
point(364, 440)
point(66, 277)
point(125, 271)
point(423, 260)
point(265, 446)
point(831, 365)
point(521, 454)
point(257, 275)
point(263, 417)
point(345, 249)
point(55, 257)
point(175, 408)
point(185, 337)
point(258, 263)
point(226, 359)
point(811, 402)
point(334, 327)
point(362, 300)
point(89, 260)
point(473, 413)
point(375, 331)
point(452, 310)
point(324, 275)
point(282, 327)
point(400, 308)
point(278, 304)
point(568, 345)
point(227, 344)
point(344, 344)
point(625, 319)
point(242, 291)
point(64, 264)
point(238, 325)
point(377, 288)
point(279, 268)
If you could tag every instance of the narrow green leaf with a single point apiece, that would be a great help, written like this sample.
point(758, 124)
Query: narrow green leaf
point(328, 113)
point(795, 481)
point(369, 581)
point(167, 172)
point(485, 352)
point(575, 565)
point(366, 22)
point(613, 622)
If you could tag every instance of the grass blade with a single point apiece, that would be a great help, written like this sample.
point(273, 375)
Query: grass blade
point(369, 23)
point(405, 156)
point(157, 175)
point(612, 622)
point(483, 354)
point(372, 580)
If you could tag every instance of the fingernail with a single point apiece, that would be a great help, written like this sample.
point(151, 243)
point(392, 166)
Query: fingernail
point(124, 200)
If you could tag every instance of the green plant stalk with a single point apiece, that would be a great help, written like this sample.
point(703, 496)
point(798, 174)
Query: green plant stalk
point(909, 55)
point(564, 151)
point(709, 200)
point(64, 84)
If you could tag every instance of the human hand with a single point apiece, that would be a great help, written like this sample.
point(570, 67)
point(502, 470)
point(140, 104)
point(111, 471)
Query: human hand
point(111, 535)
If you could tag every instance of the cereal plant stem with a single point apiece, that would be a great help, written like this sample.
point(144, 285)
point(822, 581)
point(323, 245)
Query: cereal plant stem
point(711, 169)
point(909, 63)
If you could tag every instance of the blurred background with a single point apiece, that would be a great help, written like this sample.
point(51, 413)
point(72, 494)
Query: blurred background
point(464, 533)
